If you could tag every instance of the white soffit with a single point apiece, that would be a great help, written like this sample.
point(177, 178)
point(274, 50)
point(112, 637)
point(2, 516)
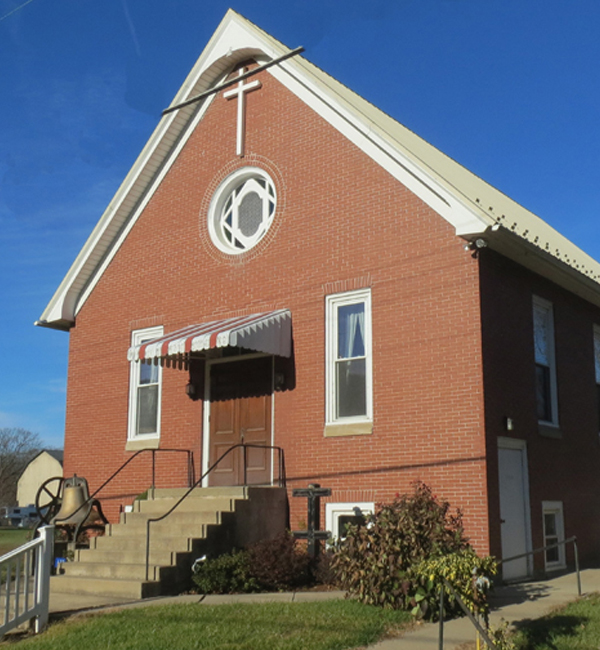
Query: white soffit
point(467, 202)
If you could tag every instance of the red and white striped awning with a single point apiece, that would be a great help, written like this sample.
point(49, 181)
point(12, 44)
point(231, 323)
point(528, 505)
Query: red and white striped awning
point(270, 333)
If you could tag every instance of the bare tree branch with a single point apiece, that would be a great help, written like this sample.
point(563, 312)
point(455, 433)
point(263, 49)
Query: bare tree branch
point(17, 448)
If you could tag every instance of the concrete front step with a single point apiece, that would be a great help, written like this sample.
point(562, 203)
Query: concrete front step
point(121, 571)
point(137, 543)
point(161, 505)
point(134, 589)
point(233, 492)
point(206, 516)
point(224, 518)
point(160, 528)
point(162, 557)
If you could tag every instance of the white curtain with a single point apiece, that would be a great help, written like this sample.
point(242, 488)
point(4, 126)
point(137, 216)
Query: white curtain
point(355, 325)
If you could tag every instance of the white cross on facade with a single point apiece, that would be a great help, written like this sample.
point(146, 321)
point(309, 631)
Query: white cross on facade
point(239, 92)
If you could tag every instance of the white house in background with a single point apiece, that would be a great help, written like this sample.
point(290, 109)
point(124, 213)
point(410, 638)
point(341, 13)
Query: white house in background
point(47, 464)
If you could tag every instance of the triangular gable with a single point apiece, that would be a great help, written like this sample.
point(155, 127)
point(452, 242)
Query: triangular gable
point(473, 207)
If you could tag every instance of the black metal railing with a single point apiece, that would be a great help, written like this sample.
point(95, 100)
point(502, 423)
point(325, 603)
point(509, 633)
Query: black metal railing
point(476, 624)
point(482, 631)
point(281, 481)
point(191, 473)
point(541, 549)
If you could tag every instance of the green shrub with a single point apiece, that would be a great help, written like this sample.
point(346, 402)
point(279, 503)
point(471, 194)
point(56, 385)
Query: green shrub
point(397, 559)
point(225, 574)
point(462, 570)
point(501, 636)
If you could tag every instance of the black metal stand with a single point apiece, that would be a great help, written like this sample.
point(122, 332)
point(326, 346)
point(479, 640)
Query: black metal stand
point(313, 535)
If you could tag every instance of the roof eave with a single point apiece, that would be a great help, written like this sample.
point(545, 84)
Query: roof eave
point(415, 167)
point(61, 311)
point(62, 325)
point(543, 263)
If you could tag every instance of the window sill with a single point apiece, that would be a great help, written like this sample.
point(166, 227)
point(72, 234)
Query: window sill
point(142, 443)
point(549, 431)
point(348, 429)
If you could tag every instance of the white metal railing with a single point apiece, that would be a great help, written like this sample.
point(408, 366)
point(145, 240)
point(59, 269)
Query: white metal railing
point(25, 583)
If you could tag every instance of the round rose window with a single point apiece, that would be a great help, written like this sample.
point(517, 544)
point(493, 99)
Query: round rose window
point(242, 210)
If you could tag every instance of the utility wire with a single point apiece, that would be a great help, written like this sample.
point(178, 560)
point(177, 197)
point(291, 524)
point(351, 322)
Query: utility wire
point(10, 13)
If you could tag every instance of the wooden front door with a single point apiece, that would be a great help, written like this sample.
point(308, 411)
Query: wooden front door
point(240, 412)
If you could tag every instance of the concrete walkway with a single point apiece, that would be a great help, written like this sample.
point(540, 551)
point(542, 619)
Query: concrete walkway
point(514, 604)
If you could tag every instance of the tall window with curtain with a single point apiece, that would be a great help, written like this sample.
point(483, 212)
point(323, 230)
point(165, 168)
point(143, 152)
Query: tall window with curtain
point(349, 357)
point(144, 391)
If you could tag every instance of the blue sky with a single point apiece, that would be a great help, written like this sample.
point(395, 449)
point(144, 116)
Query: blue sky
point(509, 88)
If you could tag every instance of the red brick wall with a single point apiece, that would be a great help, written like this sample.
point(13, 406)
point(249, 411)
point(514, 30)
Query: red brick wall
point(564, 469)
point(342, 223)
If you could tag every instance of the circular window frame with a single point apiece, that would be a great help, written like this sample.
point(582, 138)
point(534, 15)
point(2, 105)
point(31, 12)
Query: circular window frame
point(244, 181)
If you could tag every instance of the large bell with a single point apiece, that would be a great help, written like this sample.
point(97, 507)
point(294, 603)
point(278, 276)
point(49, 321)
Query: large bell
point(74, 509)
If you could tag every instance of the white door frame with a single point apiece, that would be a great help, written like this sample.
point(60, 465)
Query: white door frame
point(521, 445)
point(206, 407)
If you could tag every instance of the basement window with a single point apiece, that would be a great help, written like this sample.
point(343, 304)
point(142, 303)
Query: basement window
point(554, 532)
point(339, 515)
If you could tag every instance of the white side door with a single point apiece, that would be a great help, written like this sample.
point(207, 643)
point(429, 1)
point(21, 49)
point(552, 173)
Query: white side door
point(514, 507)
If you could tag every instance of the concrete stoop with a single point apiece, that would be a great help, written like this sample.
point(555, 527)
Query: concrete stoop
point(210, 521)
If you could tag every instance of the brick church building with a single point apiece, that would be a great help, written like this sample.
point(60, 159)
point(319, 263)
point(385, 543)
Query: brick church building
point(285, 265)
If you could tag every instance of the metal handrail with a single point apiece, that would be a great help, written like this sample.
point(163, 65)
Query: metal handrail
point(190, 465)
point(549, 546)
point(281, 480)
point(466, 610)
point(190, 470)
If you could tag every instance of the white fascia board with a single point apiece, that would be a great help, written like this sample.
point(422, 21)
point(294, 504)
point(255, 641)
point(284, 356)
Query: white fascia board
point(67, 298)
point(139, 209)
point(217, 59)
point(102, 243)
point(219, 56)
point(222, 49)
point(461, 216)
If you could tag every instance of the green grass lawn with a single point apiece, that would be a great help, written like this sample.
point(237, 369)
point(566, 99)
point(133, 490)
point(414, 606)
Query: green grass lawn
point(327, 625)
point(575, 627)
point(12, 537)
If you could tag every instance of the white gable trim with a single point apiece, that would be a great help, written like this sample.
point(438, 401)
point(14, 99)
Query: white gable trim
point(142, 205)
point(446, 187)
point(152, 164)
point(400, 167)
point(414, 178)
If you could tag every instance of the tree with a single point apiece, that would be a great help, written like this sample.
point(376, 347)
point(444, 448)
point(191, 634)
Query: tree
point(17, 448)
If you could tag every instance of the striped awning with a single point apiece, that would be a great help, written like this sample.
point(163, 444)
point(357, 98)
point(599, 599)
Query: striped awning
point(270, 332)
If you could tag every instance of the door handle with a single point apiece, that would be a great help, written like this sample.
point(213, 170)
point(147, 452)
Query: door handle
point(502, 521)
point(243, 434)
